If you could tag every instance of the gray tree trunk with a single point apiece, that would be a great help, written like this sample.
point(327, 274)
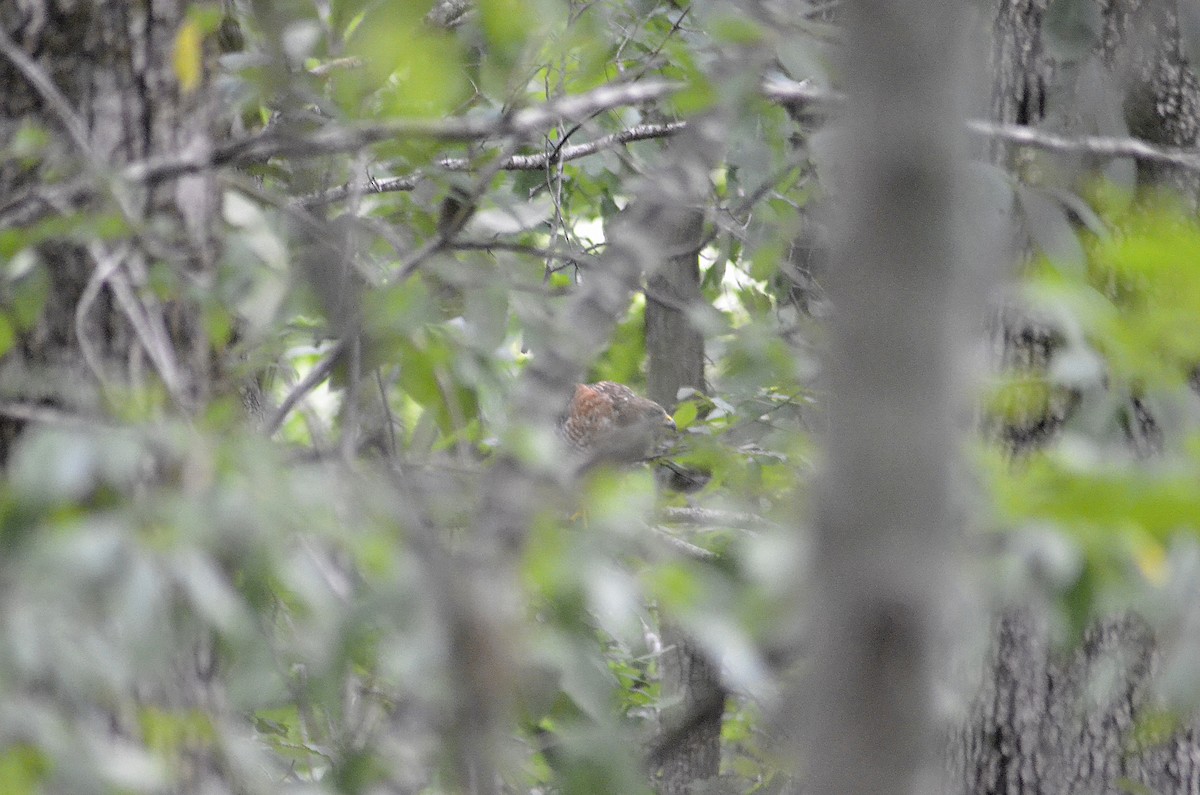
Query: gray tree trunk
point(882, 519)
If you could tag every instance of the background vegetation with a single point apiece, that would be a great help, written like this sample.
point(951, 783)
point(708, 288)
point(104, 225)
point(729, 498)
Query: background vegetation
point(283, 507)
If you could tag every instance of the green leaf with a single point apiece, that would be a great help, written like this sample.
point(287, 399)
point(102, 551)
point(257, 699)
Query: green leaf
point(410, 68)
point(187, 56)
point(8, 335)
point(685, 414)
point(80, 228)
point(23, 767)
point(506, 24)
point(736, 30)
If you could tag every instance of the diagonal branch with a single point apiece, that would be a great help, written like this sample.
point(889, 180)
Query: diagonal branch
point(49, 92)
point(307, 384)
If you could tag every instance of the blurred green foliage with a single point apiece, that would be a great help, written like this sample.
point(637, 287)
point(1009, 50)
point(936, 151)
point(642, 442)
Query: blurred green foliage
point(186, 602)
point(1104, 526)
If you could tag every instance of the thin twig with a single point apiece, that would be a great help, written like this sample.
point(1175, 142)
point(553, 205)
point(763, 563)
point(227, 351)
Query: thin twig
point(710, 517)
point(49, 92)
point(104, 266)
point(48, 415)
point(641, 132)
point(310, 382)
point(151, 333)
point(536, 162)
point(686, 548)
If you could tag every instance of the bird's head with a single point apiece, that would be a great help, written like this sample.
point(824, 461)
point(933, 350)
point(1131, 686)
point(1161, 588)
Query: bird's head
point(657, 418)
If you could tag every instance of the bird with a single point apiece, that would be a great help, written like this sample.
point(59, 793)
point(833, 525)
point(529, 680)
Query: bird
point(609, 423)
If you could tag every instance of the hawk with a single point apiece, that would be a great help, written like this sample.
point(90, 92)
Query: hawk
point(608, 422)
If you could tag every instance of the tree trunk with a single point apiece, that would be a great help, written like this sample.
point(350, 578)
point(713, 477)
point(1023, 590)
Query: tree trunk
point(674, 348)
point(1080, 721)
point(1047, 720)
point(882, 558)
point(98, 77)
point(690, 679)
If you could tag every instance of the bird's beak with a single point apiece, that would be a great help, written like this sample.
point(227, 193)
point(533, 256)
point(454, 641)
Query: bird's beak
point(669, 423)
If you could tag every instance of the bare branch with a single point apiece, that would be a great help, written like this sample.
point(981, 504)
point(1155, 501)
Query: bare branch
point(537, 162)
point(1096, 145)
point(531, 120)
point(307, 384)
point(337, 63)
point(342, 192)
point(685, 548)
point(48, 415)
point(709, 517)
point(782, 90)
point(49, 92)
point(641, 132)
point(340, 138)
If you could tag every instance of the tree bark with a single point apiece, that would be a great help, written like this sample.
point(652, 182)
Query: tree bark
point(674, 348)
point(1074, 721)
point(881, 561)
point(98, 77)
point(675, 359)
